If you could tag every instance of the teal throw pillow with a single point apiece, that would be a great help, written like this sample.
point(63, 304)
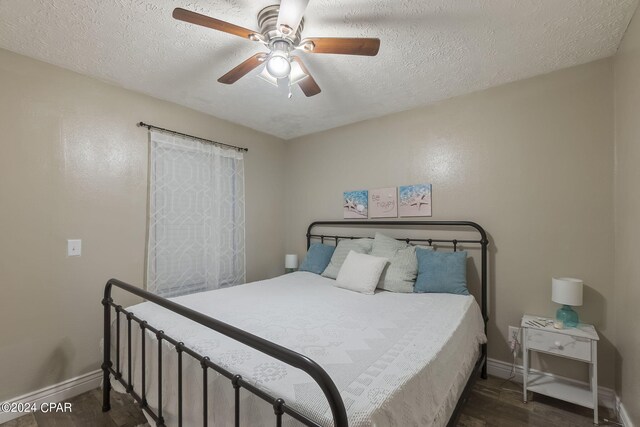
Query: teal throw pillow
point(317, 258)
point(441, 272)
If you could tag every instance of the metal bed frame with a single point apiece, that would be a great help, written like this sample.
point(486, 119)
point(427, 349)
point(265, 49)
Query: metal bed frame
point(292, 358)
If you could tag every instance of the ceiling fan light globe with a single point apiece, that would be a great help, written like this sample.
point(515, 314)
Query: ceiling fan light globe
point(278, 66)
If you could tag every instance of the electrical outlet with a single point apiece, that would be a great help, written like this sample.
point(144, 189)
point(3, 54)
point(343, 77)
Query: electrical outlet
point(514, 339)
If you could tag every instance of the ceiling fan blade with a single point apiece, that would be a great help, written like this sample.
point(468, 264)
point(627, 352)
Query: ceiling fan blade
point(342, 46)
point(290, 15)
point(241, 70)
point(216, 24)
point(307, 84)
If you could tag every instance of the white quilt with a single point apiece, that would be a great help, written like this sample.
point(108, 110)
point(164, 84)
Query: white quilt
point(398, 359)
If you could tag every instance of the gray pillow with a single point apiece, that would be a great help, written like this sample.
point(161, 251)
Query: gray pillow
point(361, 246)
point(402, 270)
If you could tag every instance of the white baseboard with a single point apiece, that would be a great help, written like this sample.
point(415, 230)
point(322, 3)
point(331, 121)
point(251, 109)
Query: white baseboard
point(606, 396)
point(55, 393)
point(622, 414)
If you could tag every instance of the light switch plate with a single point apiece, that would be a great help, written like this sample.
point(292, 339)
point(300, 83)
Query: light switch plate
point(74, 247)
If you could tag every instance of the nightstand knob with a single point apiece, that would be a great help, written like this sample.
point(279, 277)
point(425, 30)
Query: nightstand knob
point(558, 344)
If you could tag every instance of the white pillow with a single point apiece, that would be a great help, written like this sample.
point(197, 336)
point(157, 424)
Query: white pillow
point(360, 272)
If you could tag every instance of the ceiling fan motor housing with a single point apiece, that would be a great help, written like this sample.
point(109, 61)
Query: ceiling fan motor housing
point(268, 20)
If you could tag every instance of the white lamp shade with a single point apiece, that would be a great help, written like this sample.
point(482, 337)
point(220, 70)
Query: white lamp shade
point(291, 261)
point(566, 290)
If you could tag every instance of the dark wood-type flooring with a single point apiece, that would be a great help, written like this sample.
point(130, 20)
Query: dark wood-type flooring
point(492, 402)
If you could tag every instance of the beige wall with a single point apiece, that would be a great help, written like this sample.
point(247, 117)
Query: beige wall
point(530, 161)
point(74, 165)
point(627, 217)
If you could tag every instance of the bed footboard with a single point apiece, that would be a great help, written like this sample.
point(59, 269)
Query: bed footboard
point(236, 381)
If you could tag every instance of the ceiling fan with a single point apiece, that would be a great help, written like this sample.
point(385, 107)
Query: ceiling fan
point(280, 31)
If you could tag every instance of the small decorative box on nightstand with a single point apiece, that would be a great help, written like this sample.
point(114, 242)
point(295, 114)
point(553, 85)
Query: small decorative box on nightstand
point(579, 343)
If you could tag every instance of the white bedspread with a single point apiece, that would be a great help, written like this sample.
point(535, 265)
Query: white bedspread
point(397, 359)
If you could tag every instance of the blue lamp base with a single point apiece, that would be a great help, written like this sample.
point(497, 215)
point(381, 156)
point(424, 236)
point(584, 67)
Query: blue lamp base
point(567, 316)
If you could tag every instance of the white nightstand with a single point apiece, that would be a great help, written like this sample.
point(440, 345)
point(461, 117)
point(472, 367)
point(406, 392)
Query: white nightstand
point(580, 343)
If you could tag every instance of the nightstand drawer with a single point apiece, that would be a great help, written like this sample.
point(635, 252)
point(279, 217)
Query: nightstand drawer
point(560, 344)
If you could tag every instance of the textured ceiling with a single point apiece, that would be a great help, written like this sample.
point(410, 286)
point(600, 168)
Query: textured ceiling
point(430, 50)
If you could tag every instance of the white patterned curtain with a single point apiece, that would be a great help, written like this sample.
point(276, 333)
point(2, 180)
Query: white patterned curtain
point(196, 222)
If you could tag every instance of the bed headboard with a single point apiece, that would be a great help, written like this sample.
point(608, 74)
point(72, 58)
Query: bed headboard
point(418, 228)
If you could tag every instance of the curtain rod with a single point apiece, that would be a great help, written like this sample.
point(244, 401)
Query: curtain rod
point(148, 126)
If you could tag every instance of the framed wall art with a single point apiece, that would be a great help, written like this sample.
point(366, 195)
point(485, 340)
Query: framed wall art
point(415, 200)
point(356, 204)
point(383, 203)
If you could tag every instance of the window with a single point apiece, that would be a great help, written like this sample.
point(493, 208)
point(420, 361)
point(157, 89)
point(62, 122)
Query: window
point(196, 216)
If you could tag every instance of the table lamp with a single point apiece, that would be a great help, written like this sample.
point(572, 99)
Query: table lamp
point(568, 292)
point(290, 263)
